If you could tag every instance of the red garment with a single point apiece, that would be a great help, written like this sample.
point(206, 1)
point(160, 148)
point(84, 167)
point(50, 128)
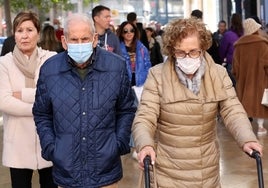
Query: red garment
point(59, 32)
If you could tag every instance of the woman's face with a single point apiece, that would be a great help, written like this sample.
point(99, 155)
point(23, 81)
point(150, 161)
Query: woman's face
point(26, 37)
point(148, 33)
point(128, 32)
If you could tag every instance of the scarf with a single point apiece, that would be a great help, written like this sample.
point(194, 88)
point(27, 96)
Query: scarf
point(26, 66)
point(194, 84)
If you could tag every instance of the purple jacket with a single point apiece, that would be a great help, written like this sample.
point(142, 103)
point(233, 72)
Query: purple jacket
point(227, 46)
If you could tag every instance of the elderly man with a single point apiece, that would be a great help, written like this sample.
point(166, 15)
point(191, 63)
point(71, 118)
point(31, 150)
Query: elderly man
point(84, 109)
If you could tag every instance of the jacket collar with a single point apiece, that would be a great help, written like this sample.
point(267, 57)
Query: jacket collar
point(211, 89)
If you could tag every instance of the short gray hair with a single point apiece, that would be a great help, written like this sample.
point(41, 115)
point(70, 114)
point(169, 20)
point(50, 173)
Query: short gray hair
point(77, 16)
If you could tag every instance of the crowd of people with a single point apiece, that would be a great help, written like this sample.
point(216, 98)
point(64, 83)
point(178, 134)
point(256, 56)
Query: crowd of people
point(76, 98)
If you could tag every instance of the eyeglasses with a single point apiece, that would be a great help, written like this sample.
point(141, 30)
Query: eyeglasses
point(128, 31)
point(192, 54)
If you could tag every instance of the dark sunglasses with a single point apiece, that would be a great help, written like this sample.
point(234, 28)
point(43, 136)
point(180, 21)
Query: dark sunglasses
point(128, 31)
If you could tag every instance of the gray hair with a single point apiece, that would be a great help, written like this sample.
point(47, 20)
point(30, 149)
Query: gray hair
point(81, 17)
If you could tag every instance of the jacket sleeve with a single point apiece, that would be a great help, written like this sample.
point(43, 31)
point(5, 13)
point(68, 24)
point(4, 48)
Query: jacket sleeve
point(145, 121)
point(42, 111)
point(125, 109)
point(8, 103)
point(28, 95)
point(235, 63)
point(234, 115)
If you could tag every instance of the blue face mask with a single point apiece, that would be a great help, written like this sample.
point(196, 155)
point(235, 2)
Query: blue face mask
point(81, 52)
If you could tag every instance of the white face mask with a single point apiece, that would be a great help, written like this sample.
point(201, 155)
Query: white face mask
point(188, 65)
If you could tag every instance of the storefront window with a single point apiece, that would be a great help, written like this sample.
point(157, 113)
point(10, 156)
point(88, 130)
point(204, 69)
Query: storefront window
point(163, 11)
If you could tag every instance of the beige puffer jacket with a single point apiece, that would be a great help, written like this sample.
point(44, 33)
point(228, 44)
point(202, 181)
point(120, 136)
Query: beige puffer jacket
point(184, 125)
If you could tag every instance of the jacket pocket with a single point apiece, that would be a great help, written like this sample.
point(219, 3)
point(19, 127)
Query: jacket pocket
point(62, 156)
point(107, 154)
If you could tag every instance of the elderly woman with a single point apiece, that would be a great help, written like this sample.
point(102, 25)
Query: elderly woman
point(176, 120)
point(18, 76)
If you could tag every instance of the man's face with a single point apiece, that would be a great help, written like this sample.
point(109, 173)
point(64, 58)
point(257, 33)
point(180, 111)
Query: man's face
point(103, 19)
point(79, 32)
point(222, 27)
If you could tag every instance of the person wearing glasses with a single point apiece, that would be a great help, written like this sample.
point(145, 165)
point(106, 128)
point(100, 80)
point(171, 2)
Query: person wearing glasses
point(137, 59)
point(175, 122)
point(83, 110)
point(135, 53)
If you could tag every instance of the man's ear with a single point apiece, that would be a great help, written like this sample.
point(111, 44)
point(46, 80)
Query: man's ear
point(63, 42)
point(95, 39)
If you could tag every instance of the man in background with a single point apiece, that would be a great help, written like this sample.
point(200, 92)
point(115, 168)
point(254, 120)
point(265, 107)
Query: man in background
point(197, 14)
point(83, 110)
point(107, 40)
point(216, 39)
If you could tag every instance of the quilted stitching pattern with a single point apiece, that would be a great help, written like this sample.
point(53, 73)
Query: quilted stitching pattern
point(84, 116)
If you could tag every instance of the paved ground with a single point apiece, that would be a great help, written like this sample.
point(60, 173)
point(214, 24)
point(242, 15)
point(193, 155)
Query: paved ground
point(237, 169)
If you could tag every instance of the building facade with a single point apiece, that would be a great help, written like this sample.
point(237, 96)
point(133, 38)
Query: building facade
point(162, 11)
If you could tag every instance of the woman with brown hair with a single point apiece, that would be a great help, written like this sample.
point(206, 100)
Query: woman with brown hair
point(175, 122)
point(18, 77)
point(135, 53)
point(49, 40)
point(137, 60)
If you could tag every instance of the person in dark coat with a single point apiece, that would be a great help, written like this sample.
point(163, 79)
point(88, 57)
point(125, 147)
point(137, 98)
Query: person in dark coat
point(216, 40)
point(8, 45)
point(154, 47)
point(83, 110)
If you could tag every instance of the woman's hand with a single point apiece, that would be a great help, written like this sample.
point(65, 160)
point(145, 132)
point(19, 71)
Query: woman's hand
point(250, 146)
point(17, 94)
point(147, 150)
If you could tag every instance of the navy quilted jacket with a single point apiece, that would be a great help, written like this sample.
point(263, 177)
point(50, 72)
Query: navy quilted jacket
point(84, 125)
